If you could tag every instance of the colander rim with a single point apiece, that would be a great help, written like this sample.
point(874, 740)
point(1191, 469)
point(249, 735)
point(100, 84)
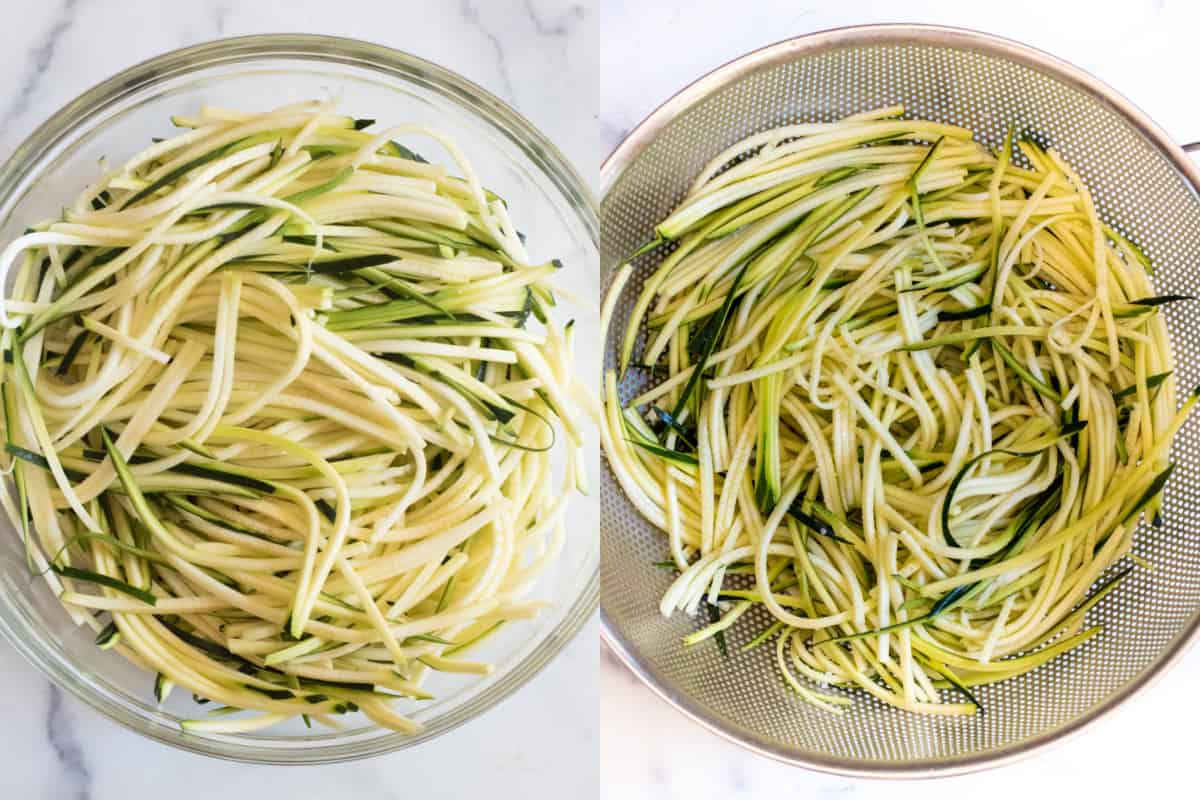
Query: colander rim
point(637, 140)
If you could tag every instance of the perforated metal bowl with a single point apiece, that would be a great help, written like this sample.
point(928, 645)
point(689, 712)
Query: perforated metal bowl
point(1144, 184)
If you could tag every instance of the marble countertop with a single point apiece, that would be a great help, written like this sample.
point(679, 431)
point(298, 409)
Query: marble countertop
point(539, 744)
point(1143, 49)
point(580, 72)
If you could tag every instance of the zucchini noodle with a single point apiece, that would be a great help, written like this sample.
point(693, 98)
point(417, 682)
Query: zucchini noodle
point(280, 404)
point(907, 395)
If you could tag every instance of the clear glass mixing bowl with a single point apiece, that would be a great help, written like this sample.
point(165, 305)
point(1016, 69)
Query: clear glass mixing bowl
point(549, 203)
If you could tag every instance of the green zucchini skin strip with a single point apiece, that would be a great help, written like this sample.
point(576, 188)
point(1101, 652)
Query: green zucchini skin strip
point(68, 358)
point(37, 459)
point(177, 173)
point(954, 680)
point(1038, 385)
point(710, 344)
point(1156, 486)
point(665, 454)
point(814, 524)
point(80, 574)
point(334, 266)
point(1066, 432)
point(108, 637)
point(141, 506)
point(672, 423)
point(1152, 382)
point(1161, 300)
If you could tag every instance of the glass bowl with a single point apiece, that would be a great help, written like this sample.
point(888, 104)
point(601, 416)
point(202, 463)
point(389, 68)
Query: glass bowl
point(549, 203)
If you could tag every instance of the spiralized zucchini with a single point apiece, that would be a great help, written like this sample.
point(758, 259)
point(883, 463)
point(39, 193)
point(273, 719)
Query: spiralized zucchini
point(279, 417)
point(908, 396)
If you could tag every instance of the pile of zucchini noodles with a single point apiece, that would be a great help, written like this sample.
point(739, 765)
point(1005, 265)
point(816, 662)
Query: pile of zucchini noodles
point(279, 414)
point(915, 394)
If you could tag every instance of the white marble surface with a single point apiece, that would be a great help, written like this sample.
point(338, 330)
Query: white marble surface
point(1147, 51)
point(539, 744)
point(585, 74)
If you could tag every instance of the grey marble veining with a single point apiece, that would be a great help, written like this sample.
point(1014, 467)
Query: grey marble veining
point(71, 763)
point(470, 14)
point(38, 63)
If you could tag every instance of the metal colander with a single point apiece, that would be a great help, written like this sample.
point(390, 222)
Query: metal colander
point(1144, 185)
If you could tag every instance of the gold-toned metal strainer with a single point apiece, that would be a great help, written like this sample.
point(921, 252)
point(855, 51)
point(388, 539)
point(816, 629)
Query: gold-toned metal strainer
point(1144, 185)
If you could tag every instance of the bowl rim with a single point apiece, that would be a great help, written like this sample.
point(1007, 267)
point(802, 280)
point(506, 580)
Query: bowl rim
point(397, 64)
point(644, 134)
